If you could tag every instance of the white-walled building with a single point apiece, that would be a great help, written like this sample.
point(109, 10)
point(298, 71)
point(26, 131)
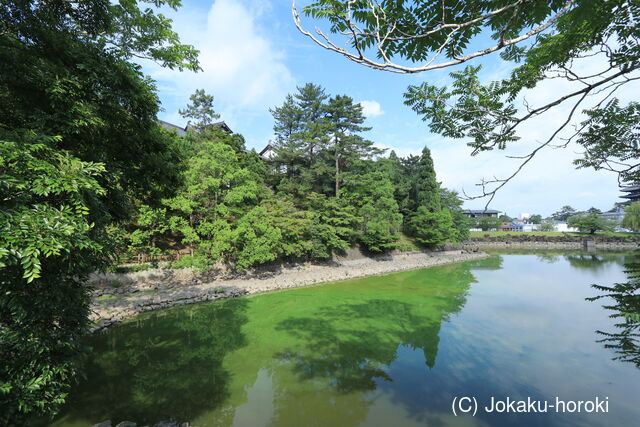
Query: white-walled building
point(615, 216)
point(268, 152)
point(563, 227)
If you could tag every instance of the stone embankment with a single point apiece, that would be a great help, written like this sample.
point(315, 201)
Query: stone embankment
point(108, 423)
point(117, 297)
point(566, 241)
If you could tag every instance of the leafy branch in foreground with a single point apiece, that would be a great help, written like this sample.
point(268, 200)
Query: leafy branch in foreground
point(545, 40)
point(66, 71)
point(426, 32)
point(625, 304)
point(47, 246)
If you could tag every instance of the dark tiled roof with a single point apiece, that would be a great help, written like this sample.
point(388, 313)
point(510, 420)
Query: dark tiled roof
point(630, 188)
point(182, 131)
point(222, 125)
point(265, 149)
point(480, 211)
point(170, 126)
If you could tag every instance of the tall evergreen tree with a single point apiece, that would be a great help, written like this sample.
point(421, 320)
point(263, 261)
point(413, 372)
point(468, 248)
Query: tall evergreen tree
point(345, 145)
point(406, 191)
point(427, 188)
point(287, 128)
point(370, 191)
point(311, 100)
point(395, 170)
point(429, 223)
point(301, 129)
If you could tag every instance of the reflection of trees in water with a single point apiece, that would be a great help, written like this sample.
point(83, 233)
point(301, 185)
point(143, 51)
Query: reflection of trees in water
point(313, 403)
point(625, 339)
point(168, 366)
point(354, 344)
point(548, 258)
point(352, 356)
point(595, 262)
point(492, 263)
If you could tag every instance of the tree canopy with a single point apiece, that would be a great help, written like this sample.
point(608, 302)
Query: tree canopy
point(564, 213)
point(632, 217)
point(80, 148)
point(201, 110)
point(589, 222)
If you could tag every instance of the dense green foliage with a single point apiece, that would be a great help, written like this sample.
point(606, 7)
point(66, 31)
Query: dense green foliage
point(488, 223)
point(218, 211)
point(547, 225)
point(632, 217)
point(80, 148)
point(89, 177)
point(535, 219)
point(48, 244)
point(320, 155)
point(325, 189)
point(564, 213)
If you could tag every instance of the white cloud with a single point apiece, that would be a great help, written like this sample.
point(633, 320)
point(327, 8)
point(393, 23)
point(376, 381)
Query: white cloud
point(240, 65)
point(371, 108)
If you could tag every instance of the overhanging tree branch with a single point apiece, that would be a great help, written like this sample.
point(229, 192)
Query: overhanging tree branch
point(356, 36)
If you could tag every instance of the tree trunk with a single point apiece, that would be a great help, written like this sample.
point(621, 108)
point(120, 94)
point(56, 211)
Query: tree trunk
point(337, 174)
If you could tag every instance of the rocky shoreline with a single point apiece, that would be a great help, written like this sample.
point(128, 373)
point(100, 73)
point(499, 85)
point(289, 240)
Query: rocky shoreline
point(117, 297)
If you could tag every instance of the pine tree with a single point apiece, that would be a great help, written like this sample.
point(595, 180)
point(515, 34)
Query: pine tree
point(288, 144)
point(201, 110)
point(311, 102)
point(301, 130)
point(370, 191)
point(429, 223)
point(345, 145)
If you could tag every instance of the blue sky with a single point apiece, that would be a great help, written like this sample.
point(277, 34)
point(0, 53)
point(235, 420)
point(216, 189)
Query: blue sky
point(252, 56)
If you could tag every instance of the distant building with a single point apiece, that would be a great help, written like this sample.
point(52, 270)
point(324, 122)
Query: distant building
point(616, 216)
point(183, 131)
point(632, 192)
point(171, 127)
point(519, 226)
point(563, 227)
point(524, 216)
point(480, 213)
point(267, 153)
point(511, 226)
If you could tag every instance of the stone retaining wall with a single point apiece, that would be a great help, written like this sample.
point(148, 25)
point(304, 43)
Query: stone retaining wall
point(117, 297)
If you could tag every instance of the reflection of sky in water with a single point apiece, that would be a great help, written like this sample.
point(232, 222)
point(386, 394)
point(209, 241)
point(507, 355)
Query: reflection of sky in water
point(383, 351)
point(519, 336)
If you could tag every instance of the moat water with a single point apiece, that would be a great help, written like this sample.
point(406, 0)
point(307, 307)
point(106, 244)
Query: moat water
point(391, 350)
